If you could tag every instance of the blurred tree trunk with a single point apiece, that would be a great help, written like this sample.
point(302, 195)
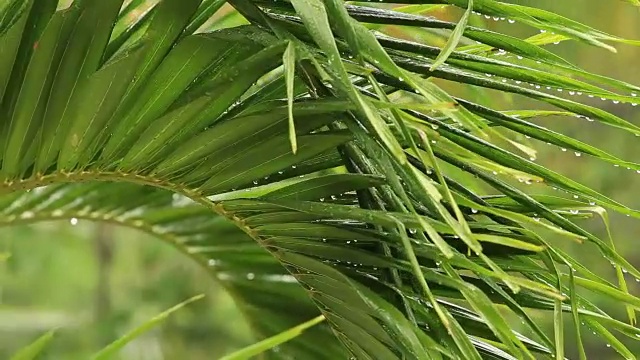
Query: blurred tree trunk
point(103, 242)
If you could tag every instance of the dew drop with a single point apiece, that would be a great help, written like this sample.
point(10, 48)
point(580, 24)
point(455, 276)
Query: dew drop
point(577, 153)
point(251, 276)
point(73, 221)
point(510, 21)
point(474, 211)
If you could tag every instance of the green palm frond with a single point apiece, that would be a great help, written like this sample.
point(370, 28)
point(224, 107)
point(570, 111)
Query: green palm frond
point(318, 167)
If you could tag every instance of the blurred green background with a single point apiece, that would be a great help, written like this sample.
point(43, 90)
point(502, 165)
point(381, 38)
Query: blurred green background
point(94, 282)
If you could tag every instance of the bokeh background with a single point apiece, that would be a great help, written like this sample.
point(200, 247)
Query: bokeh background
point(93, 282)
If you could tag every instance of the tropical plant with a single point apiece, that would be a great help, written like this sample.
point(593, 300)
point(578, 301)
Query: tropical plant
point(312, 162)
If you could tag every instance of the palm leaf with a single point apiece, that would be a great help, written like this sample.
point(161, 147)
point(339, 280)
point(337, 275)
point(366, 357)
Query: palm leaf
point(370, 220)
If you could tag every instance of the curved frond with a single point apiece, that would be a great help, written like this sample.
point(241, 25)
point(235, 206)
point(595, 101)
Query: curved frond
point(319, 166)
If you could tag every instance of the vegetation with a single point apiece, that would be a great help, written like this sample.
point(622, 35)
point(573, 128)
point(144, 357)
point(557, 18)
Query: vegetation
point(325, 159)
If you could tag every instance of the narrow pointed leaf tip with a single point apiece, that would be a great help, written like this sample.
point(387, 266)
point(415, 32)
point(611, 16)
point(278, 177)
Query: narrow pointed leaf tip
point(454, 38)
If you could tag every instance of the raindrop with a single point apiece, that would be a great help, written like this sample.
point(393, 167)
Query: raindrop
point(519, 57)
point(563, 149)
point(577, 153)
point(73, 221)
point(413, 231)
point(575, 196)
point(474, 211)
point(592, 203)
point(293, 166)
point(615, 101)
point(608, 345)
point(511, 21)
point(574, 212)
point(251, 276)
point(543, 31)
point(255, 182)
point(572, 92)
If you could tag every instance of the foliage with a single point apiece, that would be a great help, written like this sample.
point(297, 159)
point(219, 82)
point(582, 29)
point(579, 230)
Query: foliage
point(306, 151)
